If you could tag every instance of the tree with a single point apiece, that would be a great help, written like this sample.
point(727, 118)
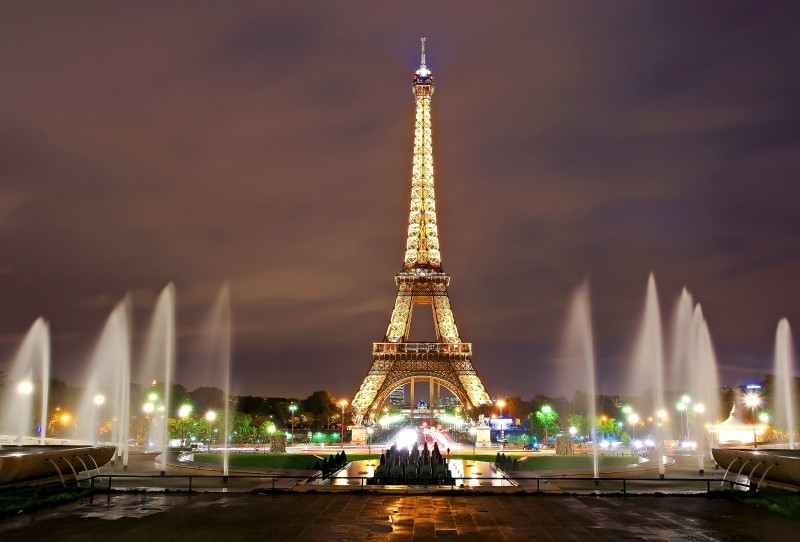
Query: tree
point(581, 422)
point(243, 430)
point(546, 417)
point(179, 428)
point(609, 427)
point(322, 404)
point(206, 398)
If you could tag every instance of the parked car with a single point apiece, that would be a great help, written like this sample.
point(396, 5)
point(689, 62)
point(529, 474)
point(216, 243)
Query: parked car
point(531, 446)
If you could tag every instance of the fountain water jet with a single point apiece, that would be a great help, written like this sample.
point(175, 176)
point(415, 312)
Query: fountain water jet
point(216, 347)
point(577, 355)
point(109, 379)
point(785, 400)
point(648, 367)
point(680, 362)
point(33, 355)
point(704, 380)
point(159, 361)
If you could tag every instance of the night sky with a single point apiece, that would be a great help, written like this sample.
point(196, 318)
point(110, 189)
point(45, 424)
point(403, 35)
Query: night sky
point(269, 144)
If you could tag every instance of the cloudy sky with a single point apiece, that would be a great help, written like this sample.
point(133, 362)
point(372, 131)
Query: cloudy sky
point(269, 145)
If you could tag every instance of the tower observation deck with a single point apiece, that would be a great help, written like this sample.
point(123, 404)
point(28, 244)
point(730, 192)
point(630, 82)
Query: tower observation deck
point(422, 281)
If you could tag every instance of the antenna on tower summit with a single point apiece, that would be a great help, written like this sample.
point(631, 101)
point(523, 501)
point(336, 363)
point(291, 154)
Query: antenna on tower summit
point(422, 57)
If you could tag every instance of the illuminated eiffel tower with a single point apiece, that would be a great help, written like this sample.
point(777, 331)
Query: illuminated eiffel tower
point(396, 361)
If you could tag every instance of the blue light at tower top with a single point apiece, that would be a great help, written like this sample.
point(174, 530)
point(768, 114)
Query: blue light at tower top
point(423, 74)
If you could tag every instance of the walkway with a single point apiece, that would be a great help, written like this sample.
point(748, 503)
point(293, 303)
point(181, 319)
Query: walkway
point(359, 517)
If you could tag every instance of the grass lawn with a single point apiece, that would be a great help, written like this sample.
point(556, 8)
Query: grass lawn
point(782, 503)
point(570, 462)
point(262, 461)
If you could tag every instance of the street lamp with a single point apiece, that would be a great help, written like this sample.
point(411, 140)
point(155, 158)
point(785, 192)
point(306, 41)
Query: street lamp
point(369, 442)
point(500, 404)
point(184, 411)
point(546, 410)
point(292, 409)
point(752, 400)
point(25, 387)
point(633, 419)
point(211, 417)
point(681, 408)
point(343, 403)
point(99, 399)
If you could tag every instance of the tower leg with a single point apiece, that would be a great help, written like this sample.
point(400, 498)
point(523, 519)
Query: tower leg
point(430, 407)
point(412, 401)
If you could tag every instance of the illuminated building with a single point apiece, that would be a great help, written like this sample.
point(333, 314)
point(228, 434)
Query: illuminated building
point(397, 361)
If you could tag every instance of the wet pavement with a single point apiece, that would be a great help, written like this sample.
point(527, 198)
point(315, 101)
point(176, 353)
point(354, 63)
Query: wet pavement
point(362, 517)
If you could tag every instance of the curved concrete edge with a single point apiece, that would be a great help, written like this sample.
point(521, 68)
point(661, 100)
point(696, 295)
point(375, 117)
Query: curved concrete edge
point(782, 466)
point(23, 463)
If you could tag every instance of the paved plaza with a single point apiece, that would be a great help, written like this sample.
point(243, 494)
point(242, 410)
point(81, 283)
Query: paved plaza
point(360, 517)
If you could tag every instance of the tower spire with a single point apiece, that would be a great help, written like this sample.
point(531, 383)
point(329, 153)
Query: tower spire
point(422, 65)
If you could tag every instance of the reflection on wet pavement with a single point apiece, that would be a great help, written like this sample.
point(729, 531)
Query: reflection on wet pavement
point(467, 472)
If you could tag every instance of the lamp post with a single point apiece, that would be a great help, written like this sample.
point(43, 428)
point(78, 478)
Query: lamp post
point(369, 442)
point(211, 417)
point(342, 403)
point(633, 419)
point(500, 404)
point(752, 400)
point(99, 399)
point(292, 409)
point(546, 410)
point(183, 413)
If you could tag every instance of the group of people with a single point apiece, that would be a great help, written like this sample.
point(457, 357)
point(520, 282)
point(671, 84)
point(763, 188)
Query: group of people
point(412, 466)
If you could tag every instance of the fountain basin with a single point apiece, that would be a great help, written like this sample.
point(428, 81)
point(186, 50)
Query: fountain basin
point(24, 463)
point(783, 465)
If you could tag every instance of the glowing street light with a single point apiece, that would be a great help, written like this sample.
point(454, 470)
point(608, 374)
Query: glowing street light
point(148, 408)
point(500, 404)
point(369, 442)
point(633, 419)
point(343, 403)
point(211, 417)
point(25, 387)
point(184, 411)
point(752, 400)
point(292, 409)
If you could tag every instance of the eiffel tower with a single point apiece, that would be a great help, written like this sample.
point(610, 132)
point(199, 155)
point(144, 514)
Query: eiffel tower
point(396, 361)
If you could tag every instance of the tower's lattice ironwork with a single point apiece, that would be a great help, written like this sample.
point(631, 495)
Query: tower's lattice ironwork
point(396, 361)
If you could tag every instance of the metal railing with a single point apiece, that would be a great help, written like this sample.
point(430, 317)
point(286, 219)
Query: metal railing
point(533, 484)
